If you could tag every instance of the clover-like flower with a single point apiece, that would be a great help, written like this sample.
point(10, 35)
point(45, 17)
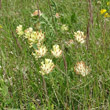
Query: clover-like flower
point(40, 36)
point(56, 51)
point(36, 13)
point(99, 2)
point(33, 36)
point(19, 30)
point(46, 66)
point(81, 68)
point(57, 15)
point(40, 52)
point(28, 32)
point(80, 37)
point(64, 27)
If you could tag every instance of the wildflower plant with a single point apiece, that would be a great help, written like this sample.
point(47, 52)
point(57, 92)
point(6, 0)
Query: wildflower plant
point(58, 59)
point(81, 68)
point(40, 52)
point(56, 51)
point(105, 12)
point(36, 40)
point(19, 30)
point(80, 37)
point(46, 66)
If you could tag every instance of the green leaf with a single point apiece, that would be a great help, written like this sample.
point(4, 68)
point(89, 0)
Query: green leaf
point(34, 46)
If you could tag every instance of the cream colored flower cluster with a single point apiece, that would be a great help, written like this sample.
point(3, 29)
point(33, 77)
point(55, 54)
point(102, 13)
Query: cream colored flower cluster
point(37, 38)
point(19, 30)
point(56, 51)
point(46, 66)
point(81, 68)
point(64, 27)
point(80, 37)
point(34, 37)
point(40, 52)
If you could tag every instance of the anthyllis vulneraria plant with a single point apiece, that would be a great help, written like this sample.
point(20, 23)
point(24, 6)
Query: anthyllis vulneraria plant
point(57, 52)
point(19, 30)
point(34, 37)
point(80, 37)
point(36, 13)
point(64, 27)
point(99, 2)
point(46, 66)
point(36, 41)
point(40, 52)
point(81, 68)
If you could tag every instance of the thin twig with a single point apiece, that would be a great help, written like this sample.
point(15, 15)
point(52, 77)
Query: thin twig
point(90, 21)
point(17, 42)
point(0, 4)
point(88, 33)
point(90, 11)
point(65, 63)
point(38, 8)
point(45, 88)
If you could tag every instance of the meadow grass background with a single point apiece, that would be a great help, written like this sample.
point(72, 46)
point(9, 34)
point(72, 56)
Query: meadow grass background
point(22, 86)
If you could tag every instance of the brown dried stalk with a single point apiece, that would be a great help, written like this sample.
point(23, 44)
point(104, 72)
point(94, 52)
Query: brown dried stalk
point(90, 21)
point(38, 8)
point(90, 11)
point(45, 88)
point(17, 42)
point(88, 33)
point(0, 4)
point(65, 63)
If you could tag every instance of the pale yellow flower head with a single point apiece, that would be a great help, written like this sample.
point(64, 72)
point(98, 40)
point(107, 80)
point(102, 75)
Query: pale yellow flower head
point(99, 2)
point(40, 36)
point(80, 37)
point(102, 11)
point(28, 32)
point(81, 68)
point(40, 52)
point(33, 36)
point(19, 30)
point(46, 66)
point(64, 27)
point(56, 51)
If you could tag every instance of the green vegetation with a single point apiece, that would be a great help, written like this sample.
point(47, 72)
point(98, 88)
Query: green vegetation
point(22, 87)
